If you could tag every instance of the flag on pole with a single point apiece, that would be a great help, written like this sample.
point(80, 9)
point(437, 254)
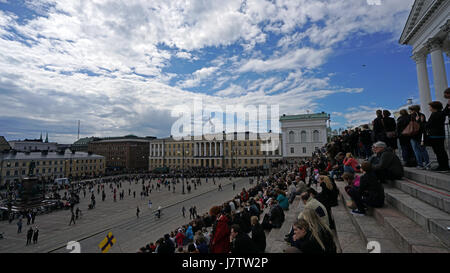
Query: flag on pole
point(107, 243)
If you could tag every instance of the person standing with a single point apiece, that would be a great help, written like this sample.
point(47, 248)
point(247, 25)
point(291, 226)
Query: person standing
point(405, 141)
point(33, 217)
point(72, 219)
point(19, 225)
point(378, 128)
point(29, 235)
point(418, 140)
point(149, 204)
point(191, 213)
point(390, 129)
point(436, 131)
point(137, 212)
point(35, 235)
point(234, 186)
point(183, 210)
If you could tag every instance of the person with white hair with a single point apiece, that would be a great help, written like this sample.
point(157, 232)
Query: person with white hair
point(389, 166)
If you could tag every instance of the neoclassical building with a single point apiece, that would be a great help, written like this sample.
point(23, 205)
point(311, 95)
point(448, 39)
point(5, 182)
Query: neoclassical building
point(215, 151)
point(427, 30)
point(303, 134)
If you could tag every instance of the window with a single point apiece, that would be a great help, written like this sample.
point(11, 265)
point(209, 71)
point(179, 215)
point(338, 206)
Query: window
point(304, 150)
point(292, 150)
point(16, 164)
point(291, 137)
point(303, 136)
point(316, 136)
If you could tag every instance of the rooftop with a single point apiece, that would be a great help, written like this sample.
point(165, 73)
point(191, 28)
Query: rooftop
point(50, 155)
point(322, 115)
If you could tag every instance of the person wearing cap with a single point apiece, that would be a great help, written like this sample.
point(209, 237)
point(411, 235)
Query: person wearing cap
point(389, 165)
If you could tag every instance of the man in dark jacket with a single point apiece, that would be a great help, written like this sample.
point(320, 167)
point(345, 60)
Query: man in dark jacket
point(389, 165)
point(370, 192)
point(241, 242)
point(276, 215)
point(258, 235)
point(167, 245)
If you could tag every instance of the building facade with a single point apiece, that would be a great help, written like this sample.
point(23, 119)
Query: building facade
point(82, 144)
point(224, 151)
point(123, 154)
point(33, 146)
point(427, 30)
point(14, 166)
point(303, 134)
point(4, 145)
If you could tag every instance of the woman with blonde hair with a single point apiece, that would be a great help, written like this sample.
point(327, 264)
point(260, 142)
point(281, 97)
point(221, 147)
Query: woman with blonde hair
point(321, 233)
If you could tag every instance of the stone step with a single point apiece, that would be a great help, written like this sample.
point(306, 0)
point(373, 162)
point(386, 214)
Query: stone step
point(437, 198)
point(347, 235)
point(435, 179)
point(408, 236)
point(431, 219)
point(368, 228)
point(275, 238)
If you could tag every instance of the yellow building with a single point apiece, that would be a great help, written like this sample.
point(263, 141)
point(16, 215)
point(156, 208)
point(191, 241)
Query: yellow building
point(215, 151)
point(50, 165)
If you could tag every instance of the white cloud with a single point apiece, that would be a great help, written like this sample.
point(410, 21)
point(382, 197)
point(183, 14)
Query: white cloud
point(199, 75)
point(48, 57)
point(298, 59)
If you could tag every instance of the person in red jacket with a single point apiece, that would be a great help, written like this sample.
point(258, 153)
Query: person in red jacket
point(220, 239)
point(244, 196)
point(350, 164)
point(180, 238)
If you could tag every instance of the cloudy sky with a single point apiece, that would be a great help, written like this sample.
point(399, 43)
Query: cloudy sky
point(121, 67)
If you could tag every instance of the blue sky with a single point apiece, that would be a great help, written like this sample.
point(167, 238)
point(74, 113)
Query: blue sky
point(121, 67)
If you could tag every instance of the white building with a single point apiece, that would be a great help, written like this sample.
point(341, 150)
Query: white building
point(303, 134)
point(427, 31)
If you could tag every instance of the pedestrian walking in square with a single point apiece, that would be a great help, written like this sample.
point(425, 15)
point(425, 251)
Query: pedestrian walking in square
point(19, 225)
point(35, 235)
point(29, 235)
point(72, 219)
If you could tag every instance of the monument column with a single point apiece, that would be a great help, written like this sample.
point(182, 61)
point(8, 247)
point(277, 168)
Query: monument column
point(423, 81)
point(439, 75)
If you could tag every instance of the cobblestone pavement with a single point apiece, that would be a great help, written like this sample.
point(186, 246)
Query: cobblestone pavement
point(119, 217)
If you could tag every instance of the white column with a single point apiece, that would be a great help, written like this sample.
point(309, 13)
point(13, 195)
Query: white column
point(424, 83)
point(195, 149)
point(210, 148)
point(221, 148)
point(439, 75)
point(215, 148)
point(204, 149)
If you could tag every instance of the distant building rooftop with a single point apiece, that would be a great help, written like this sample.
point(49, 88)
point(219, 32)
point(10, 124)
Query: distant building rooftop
point(322, 115)
point(50, 155)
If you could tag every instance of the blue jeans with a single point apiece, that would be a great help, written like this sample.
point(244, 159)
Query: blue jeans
point(348, 169)
point(420, 153)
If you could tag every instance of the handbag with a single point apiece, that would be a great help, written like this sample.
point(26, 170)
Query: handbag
point(412, 129)
point(390, 134)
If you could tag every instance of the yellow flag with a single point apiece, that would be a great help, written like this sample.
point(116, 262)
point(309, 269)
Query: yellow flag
point(107, 243)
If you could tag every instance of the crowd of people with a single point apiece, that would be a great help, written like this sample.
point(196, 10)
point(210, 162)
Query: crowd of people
point(240, 224)
point(364, 159)
point(411, 133)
